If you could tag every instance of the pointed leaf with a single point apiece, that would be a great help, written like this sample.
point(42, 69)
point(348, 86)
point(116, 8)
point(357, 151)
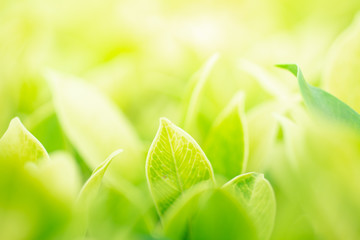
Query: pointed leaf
point(256, 195)
point(227, 143)
point(324, 103)
point(199, 82)
point(95, 126)
point(18, 144)
point(92, 185)
point(175, 163)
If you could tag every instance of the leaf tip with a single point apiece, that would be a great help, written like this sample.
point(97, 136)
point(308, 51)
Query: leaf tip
point(293, 68)
point(16, 121)
point(165, 122)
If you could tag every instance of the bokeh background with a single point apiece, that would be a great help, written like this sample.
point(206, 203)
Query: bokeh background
point(143, 53)
point(144, 56)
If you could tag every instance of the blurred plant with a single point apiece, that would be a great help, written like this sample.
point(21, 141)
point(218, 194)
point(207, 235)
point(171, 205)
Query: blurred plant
point(252, 155)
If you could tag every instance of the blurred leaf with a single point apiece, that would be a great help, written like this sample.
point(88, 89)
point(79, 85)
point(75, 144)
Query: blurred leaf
point(175, 163)
point(60, 176)
point(227, 143)
point(325, 157)
point(342, 72)
point(234, 222)
point(117, 215)
point(256, 195)
point(262, 129)
point(89, 193)
point(92, 185)
point(198, 82)
point(211, 214)
point(322, 102)
point(176, 220)
point(26, 202)
point(18, 144)
point(96, 127)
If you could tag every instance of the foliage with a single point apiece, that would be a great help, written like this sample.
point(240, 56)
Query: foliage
point(243, 150)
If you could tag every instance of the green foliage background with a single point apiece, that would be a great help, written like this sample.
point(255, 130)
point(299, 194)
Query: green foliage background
point(87, 78)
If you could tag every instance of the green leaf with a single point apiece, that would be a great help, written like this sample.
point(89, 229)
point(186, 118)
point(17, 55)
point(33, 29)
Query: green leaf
point(221, 218)
point(322, 102)
point(60, 176)
point(210, 214)
point(19, 145)
point(227, 143)
point(262, 129)
point(196, 89)
point(342, 72)
point(88, 195)
point(92, 185)
point(175, 163)
point(256, 195)
point(96, 127)
point(26, 201)
point(176, 220)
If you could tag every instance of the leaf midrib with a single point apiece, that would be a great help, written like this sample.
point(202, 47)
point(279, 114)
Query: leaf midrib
point(174, 161)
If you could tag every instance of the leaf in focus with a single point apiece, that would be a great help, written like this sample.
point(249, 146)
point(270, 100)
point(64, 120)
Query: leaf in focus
point(95, 126)
point(320, 101)
point(342, 72)
point(257, 196)
point(227, 143)
point(175, 163)
point(19, 145)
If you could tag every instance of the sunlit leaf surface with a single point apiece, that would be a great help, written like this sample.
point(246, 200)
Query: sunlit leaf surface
point(255, 194)
point(175, 163)
point(18, 144)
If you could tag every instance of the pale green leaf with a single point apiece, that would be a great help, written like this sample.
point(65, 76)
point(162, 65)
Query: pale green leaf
point(60, 176)
point(221, 218)
point(227, 143)
point(256, 195)
point(92, 185)
point(210, 214)
point(324, 103)
point(175, 163)
point(342, 72)
point(196, 89)
point(262, 129)
point(19, 145)
point(95, 126)
point(175, 221)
